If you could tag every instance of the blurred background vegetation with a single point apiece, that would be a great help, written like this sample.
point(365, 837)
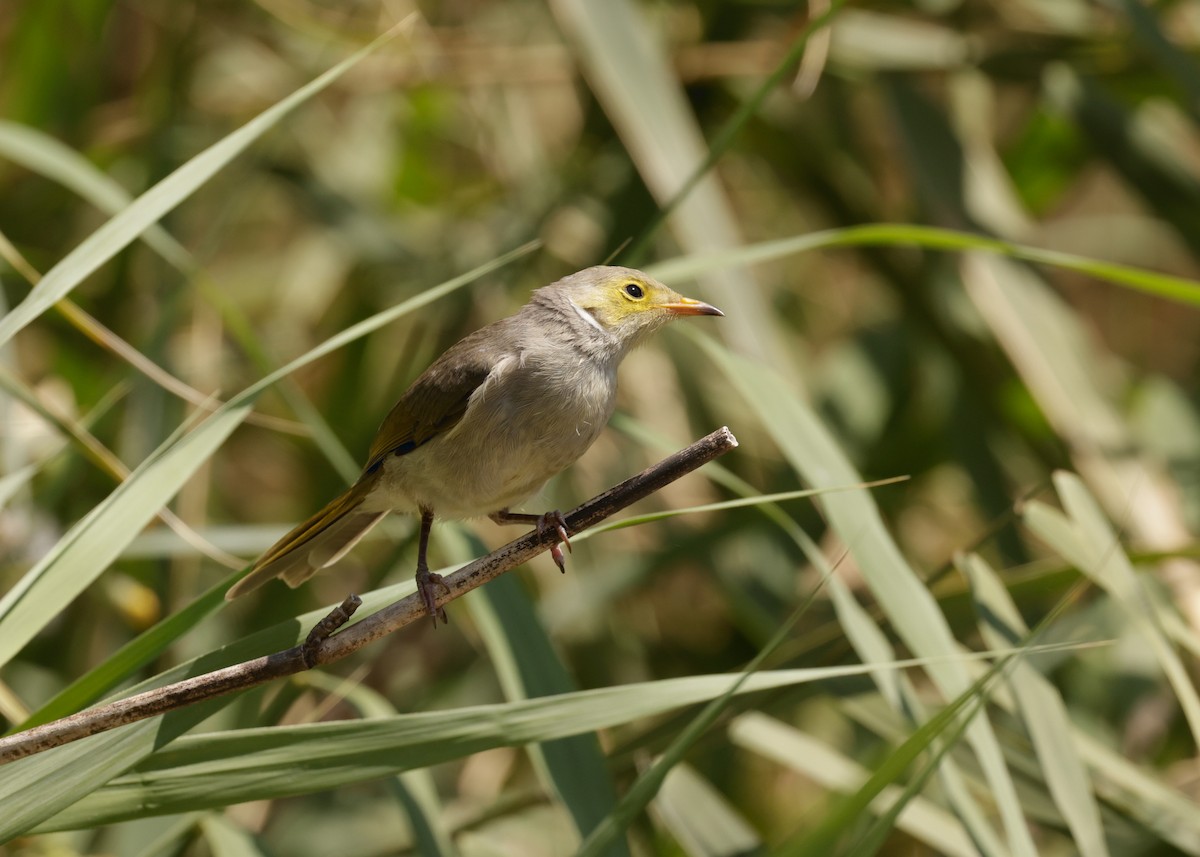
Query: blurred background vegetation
point(1064, 125)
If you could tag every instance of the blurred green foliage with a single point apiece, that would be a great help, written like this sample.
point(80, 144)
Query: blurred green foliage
point(1068, 126)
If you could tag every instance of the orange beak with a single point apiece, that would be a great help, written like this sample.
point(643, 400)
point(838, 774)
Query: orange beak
point(690, 306)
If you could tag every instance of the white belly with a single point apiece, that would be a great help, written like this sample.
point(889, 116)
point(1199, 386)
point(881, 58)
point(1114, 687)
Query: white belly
point(514, 436)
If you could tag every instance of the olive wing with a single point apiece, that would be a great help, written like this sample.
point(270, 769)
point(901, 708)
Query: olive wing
point(437, 400)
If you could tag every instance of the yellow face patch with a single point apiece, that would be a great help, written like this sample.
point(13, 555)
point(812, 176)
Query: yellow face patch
point(622, 296)
point(621, 299)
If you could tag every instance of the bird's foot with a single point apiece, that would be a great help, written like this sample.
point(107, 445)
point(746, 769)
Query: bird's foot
point(548, 522)
point(556, 522)
point(339, 616)
point(428, 584)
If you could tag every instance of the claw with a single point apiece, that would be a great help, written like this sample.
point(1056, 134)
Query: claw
point(549, 522)
point(555, 519)
point(428, 584)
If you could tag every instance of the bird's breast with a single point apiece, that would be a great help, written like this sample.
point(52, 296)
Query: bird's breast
point(534, 415)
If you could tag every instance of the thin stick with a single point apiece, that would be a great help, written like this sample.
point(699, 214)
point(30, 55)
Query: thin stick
point(323, 646)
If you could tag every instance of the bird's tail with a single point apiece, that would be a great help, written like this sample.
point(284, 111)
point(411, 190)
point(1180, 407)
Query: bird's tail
point(320, 541)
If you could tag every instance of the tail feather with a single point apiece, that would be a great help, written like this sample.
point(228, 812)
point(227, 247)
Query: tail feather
point(320, 541)
point(331, 545)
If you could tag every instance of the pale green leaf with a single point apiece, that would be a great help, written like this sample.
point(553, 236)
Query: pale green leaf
point(909, 606)
point(629, 69)
point(148, 208)
point(873, 648)
point(91, 545)
point(1042, 710)
point(1086, 540)
point(226, 840)
point(922, 819)
point(700, 818)
point(1178, 289)
point(205, 771)
point(575, 767)
point(40, 153)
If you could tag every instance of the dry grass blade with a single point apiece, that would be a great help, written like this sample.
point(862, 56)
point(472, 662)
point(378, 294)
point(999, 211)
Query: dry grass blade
point(107, 461)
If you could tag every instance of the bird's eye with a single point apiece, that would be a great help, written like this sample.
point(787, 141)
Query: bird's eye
point(634, 291)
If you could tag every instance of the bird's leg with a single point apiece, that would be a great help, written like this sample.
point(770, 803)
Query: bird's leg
point(545, 522)
point(427, 582)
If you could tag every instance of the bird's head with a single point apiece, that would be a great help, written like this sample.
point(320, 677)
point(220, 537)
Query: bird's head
point(625, 304)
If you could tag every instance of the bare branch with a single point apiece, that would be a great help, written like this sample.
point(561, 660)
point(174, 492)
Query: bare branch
point(323, 646)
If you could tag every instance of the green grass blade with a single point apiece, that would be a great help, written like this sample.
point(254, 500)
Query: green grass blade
point(1084, 537)
point(909, 605)
point(37, 787)
point(724, 505)
point(872, 646)
point(1178, 289)
point(647, 786)
point(148, 208)
point(701, 819)
point(216, 769)
point(1042, 710)
point(414, 790)
point(226, 840)
point(91, 545)
point(840, 823)
point(73, 776)
point(121, 664)
point(110, 527)
point(631, 74)
point(528, 667)
point(174, 840)
point(42, 154)
point(922, 819)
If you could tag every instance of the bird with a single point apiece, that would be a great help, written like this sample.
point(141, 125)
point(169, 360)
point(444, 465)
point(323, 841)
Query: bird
point(489, 422)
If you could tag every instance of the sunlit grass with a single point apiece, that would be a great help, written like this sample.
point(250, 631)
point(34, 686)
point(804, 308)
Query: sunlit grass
point(897, 359)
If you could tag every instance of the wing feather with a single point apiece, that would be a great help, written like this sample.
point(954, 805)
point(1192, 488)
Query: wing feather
point(438, 399)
